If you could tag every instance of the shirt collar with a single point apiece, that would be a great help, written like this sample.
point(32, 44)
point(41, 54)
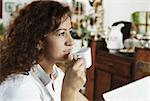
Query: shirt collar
point(43, 76)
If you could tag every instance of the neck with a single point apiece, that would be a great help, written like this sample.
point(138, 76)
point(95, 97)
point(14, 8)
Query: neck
point(46, 65)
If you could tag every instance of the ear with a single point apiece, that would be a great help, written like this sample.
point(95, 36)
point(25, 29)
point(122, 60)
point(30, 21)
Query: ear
point(40, 45)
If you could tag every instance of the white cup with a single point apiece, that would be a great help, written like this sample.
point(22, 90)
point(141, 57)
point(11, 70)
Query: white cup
point(85, 53)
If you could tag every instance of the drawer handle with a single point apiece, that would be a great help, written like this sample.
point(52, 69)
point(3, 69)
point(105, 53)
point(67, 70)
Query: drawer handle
point(111, 65)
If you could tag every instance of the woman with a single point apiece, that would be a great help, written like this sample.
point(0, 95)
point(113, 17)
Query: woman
point(36, 41)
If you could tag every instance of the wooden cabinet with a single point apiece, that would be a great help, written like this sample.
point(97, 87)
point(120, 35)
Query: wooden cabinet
point(111, 71)
point(142, 63)
point(90, 74)
point(118, 81)
point(102, 83)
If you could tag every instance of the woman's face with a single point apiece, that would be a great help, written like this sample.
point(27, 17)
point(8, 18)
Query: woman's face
point(60, 42)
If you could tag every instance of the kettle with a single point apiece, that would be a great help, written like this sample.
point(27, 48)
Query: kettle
point(114, 39)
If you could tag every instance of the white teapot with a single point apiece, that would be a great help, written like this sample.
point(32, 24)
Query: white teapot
point(114, 39)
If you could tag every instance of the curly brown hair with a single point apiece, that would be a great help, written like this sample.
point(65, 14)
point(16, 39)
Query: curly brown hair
point(19, 48)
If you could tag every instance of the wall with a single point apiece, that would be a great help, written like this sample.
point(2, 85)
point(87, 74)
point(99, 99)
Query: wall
point(0, 8)
point(9, 6)
point(116, 10)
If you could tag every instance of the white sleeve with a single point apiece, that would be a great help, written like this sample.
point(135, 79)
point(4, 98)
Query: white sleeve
point(22, 93)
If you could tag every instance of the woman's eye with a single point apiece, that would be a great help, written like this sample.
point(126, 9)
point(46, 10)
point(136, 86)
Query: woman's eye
point(61, 34)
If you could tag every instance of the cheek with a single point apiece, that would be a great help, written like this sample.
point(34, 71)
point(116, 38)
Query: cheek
point(56, 48)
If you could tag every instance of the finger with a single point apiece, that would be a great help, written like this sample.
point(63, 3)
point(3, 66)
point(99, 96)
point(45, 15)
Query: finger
point(70, 57)
point(83, 77)
point(76, 56)
point(78, 63)
point(81, 71)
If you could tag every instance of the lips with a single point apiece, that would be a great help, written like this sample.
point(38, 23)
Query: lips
point(67, 52)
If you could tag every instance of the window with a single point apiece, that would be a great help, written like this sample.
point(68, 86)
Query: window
point(142, 22)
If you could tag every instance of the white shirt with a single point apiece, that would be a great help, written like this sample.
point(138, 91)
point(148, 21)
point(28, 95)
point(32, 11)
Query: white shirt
point(37, 86)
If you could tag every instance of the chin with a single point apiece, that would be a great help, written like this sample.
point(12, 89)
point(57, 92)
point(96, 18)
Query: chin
point(62, 59)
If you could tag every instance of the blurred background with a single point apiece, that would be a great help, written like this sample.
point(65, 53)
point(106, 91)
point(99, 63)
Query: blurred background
point(118, 32)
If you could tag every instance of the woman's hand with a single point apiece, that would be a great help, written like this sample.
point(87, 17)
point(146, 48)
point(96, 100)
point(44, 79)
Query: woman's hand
point(80, 97)
point(74, 80)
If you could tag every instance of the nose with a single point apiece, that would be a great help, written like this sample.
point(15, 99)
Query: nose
point(69, 41)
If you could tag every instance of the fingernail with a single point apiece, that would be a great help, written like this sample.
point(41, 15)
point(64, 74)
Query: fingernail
point(70, 57)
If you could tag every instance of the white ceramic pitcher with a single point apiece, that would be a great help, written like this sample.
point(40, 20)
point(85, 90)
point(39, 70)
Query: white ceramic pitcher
point(114, 39)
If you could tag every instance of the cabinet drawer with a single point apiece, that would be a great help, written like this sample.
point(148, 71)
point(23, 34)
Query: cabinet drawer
point(118, 81)
point(116, 67)
point(115, 59)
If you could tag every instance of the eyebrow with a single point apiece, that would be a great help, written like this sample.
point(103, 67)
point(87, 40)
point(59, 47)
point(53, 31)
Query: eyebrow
point(59, 29)
point(62, 29)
